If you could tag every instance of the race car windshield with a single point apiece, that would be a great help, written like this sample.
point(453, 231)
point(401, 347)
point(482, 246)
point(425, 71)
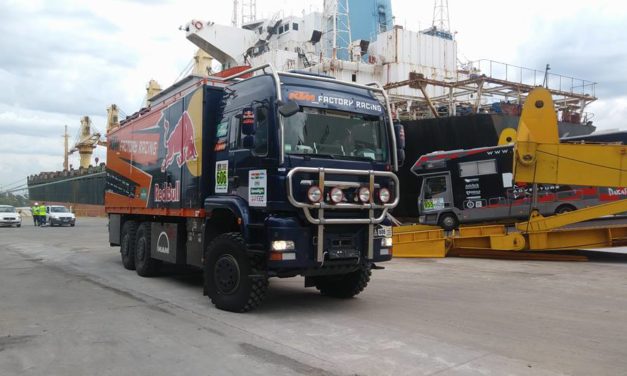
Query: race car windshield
point(7, 209)
point(59, 209)
point(336, 134)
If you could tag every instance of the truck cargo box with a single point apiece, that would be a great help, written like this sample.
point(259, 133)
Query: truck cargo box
point(155, 160)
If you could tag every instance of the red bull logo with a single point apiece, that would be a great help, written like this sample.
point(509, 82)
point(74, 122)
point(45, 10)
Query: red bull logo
point(168, 192)
point(180, 142)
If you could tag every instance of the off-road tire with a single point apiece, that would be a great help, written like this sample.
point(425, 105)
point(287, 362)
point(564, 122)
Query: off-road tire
point(127, 244)
point(145, 265)
point(234, 280)
point(346, 285)
point(448, 221)
point(565, 209)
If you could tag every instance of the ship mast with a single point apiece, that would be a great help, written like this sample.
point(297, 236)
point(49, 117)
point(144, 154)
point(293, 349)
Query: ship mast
point(66, 152)
point(441, 20)
point(235, 11)
point(249, 11)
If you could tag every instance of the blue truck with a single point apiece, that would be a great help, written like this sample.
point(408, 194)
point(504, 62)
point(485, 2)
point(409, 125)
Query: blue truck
point(248, 177)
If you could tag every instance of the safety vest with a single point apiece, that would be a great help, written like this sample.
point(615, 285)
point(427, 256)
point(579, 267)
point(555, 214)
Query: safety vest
point(42, 210)
point(35, 210)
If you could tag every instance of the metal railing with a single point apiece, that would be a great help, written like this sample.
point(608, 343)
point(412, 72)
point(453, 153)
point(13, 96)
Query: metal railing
point(532, 77)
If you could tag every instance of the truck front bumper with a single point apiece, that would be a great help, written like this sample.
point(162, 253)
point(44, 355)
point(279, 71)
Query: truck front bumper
point(10, 222)
point(62, 221)
point(294, 245)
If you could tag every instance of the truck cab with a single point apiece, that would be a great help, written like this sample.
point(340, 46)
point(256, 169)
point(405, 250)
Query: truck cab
point(296, 179)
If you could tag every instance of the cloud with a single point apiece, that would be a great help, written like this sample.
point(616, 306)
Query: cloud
point(586, 45)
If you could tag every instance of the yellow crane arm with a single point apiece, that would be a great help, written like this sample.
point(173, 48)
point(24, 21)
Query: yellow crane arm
point(540, 158)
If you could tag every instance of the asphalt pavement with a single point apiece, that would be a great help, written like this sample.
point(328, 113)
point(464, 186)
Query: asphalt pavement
point(68, 307)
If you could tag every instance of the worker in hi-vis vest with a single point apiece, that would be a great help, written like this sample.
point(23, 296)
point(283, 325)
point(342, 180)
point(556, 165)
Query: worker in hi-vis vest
point(35, 210)
point(42, 214)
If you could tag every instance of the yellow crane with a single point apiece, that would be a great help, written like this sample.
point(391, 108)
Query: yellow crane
point(88, 140)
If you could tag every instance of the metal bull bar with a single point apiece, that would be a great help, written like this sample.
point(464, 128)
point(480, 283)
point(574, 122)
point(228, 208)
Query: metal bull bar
point(321, 221)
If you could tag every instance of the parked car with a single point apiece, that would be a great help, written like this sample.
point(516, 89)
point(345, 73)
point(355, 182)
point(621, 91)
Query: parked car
point(9, 216)
point(57, 215)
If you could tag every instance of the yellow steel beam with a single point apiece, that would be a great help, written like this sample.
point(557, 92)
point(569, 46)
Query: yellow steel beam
point(576, 164)
point(538, 121)
point(419, 241)
point(540, 158)
point(539, 223)
point(496, 241)
point(488, 238)
point(578, 238)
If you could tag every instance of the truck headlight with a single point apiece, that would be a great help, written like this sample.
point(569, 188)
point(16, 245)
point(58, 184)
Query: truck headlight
point(386, 242)
point(314, 194)
point(364, 194)
point(282, 245)
point(384, 195)
point(336, 196)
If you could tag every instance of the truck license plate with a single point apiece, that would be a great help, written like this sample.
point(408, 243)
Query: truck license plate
point(343, 253)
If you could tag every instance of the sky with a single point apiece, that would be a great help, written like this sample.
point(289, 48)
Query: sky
point(63, 59)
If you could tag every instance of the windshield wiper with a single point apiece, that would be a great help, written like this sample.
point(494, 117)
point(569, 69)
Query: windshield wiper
point(314, 155)
point(358, 158)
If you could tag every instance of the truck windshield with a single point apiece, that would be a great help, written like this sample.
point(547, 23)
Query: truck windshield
point(337, 134)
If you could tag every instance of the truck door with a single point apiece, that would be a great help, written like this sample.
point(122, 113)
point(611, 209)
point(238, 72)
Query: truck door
point(248, 153)
point(436, 194)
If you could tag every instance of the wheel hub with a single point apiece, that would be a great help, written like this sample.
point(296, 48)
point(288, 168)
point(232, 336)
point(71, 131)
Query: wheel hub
point(226, 274)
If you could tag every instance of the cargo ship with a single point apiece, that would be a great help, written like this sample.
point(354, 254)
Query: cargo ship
point(443, 105)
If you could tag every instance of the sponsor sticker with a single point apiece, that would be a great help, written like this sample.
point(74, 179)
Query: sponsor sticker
point(168, 192)
point(617, 191)
point(179, 142)
point(222, 177)
point(257, 188)
point(434, 203)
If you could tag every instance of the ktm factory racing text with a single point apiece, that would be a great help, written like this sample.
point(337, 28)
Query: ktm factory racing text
point(251, 177)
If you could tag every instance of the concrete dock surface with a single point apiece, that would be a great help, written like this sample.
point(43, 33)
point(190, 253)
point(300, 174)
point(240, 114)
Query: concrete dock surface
point(68, 307)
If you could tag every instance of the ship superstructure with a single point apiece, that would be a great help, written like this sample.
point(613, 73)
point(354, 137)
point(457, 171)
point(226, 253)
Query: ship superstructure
point(419, 68)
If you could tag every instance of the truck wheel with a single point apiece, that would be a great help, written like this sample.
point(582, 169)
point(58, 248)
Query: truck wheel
point(448, 221)
point(145, 265)
point(565, 209)
point(345, 285)
point(127, 244)
point(234, 280)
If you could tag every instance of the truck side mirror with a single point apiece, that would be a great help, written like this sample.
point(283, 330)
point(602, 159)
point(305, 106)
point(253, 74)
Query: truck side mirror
point(248, 121)
point(289, 109)
point(399, 133)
